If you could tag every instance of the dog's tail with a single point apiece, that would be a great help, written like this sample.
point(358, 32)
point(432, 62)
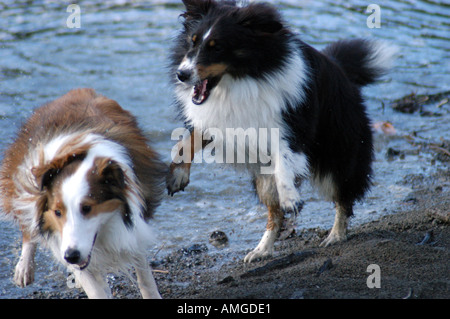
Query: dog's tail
point(364, 61)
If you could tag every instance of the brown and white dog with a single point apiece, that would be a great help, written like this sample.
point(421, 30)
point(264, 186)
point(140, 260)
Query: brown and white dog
point(81, 179)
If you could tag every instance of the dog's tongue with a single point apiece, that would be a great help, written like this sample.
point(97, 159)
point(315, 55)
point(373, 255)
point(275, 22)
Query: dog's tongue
point(200, 92)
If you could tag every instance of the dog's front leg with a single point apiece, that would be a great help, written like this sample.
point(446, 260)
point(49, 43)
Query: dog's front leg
point(180, 168)
point(24, 272)
point(94, 284)
point(289, 168)
point(146, 281)
point(265, 246)
point(178, 177)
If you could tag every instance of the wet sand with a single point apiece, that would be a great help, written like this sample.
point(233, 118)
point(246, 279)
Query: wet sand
point(411, 249)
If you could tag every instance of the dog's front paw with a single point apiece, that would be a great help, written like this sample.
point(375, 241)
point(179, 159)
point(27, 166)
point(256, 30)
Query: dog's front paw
point(178, 178)
point(24, 272)
point(292, 208)
point(290, 201)
point(264, 248)
point(258, 253)
point(333, 238)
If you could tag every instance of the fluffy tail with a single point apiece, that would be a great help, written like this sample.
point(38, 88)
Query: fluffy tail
point(364, 61)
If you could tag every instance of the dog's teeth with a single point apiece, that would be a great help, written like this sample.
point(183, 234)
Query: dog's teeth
point(200, 92)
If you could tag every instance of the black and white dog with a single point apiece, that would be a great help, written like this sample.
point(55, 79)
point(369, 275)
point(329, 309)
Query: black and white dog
point(242, 67)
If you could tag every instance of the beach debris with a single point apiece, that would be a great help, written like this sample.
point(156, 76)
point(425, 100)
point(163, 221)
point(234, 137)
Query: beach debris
point(441, 149)
point(392, 153)
point(409, 103)
point(287, 230)
point(327, 265)
point(160, 271)
point(415, 102)
point(409, 295)
point(226, 280)
point(279, 263)
point(427, 239)
point(384, 127)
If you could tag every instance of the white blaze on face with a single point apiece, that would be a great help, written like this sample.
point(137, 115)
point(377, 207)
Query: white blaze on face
point(78, 232)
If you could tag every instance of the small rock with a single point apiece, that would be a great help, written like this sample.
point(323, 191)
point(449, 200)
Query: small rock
point(391, 154)
point(226, 280)
point(298, 294)
point(218, 239)
point(410, 199)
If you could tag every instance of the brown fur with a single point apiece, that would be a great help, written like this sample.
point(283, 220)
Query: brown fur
point(107, 184)
point(211, 71)
point(84, 111)
point(182, 145)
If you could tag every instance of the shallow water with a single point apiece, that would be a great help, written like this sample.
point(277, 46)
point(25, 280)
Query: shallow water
point(121, 50)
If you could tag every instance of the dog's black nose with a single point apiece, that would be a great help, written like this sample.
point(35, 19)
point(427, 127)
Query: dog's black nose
point(72, 256)
point(183, 75)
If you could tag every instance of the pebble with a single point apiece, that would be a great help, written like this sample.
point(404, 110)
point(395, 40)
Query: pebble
point(218, 239)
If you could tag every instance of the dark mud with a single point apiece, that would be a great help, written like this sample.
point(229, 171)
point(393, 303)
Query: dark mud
point(410, 247)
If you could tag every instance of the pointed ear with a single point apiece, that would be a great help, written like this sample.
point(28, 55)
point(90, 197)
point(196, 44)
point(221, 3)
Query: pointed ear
point(110, 172)
point(196, 9)
point(260, 17)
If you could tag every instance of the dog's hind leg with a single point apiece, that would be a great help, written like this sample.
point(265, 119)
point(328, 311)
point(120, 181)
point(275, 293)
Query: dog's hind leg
point(339, 231)
point(146, 281)
point(24, 272)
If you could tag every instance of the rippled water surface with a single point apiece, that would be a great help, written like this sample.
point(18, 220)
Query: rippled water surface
point(121, 50)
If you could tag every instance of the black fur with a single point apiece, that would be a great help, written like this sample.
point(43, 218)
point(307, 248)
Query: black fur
point(329, 124)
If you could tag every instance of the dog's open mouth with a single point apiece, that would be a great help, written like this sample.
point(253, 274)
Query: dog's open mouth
point(203, 89)
point(83, 264)
point(201, 92)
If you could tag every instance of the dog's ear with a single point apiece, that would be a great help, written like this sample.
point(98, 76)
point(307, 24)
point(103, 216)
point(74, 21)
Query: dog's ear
point(48, 177)
point(42, 206)
point(196, 9)
point(260, 17)
point(109, 172)
point(44, 174)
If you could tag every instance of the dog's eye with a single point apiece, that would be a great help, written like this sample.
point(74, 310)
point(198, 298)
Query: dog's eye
point(194, 39)
point(213, 45)
point(85, 209)
point(58, 213)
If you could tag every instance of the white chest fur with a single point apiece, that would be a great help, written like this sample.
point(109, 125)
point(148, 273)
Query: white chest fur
point(248, 106)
